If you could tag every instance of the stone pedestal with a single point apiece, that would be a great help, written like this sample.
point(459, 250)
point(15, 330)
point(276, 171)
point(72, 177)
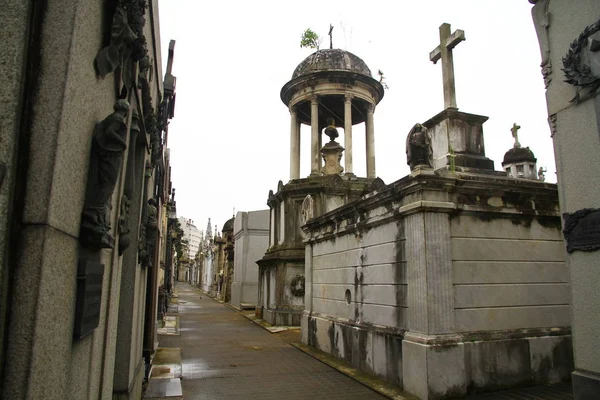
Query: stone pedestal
point(457, 141)
point(281, 270)
point(332, 154)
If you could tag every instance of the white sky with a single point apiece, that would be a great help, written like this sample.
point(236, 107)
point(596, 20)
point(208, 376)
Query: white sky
point(229, 139)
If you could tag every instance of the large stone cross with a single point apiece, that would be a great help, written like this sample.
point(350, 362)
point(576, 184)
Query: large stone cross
point(444, 51)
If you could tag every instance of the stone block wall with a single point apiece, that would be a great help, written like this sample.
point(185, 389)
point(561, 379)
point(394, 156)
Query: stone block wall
point(251, 235)
point(443, 272)
point(508, 274)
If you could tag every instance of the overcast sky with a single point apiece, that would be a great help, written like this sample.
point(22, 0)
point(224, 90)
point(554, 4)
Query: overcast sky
point(229, 139)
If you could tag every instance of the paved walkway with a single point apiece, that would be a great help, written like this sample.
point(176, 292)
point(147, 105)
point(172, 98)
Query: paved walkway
point(226, 356)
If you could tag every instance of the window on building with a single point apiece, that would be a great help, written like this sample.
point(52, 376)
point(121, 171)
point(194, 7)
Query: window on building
point(508, 170)
point(520, 171)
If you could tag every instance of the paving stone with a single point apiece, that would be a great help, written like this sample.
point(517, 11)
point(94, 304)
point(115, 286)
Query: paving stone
point(226, 356)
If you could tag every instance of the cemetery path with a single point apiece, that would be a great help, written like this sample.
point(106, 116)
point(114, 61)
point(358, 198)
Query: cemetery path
point(226, 356)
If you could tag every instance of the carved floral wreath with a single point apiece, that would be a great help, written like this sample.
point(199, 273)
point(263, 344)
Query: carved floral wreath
point(576, 72)
point(297, 285)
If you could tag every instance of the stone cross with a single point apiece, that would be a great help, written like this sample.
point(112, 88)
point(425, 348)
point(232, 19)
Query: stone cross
point(444, 51)
point(515, 133)
point(330, 36)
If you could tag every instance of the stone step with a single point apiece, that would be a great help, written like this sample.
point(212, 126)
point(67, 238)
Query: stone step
point(167, 389)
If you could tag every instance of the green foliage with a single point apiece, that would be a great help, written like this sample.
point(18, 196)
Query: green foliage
point(310, 39)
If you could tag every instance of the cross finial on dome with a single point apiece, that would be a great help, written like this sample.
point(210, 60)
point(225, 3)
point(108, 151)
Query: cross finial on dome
point(515, 134)
point(330, 36)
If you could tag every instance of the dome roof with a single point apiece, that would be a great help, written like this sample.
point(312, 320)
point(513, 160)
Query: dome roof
point(331, 60)
point(518, 154)
point(228, 226)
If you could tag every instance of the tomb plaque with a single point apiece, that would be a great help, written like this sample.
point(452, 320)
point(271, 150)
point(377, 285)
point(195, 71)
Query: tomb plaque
point(582, 229)
point(89, 297)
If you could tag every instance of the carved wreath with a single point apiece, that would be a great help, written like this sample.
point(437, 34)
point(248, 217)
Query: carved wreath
point(570, 222)
point(297, 285)
point(577, 73)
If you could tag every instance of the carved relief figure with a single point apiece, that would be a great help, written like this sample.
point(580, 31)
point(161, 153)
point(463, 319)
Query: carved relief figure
point(307, 209)
point(151, 230)
point(109, 142)
point(418, 147)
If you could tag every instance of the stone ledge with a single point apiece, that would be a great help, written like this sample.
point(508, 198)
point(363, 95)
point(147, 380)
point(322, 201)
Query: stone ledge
point(378, 385)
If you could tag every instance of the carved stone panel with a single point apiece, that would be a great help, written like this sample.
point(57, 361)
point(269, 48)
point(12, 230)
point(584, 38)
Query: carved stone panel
point(90, 275)
point(582, 229)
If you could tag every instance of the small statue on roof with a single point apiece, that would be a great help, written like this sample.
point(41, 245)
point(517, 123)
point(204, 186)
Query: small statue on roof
point(418, 147)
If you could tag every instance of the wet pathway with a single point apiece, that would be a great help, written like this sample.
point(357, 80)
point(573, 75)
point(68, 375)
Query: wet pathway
point(226, 356)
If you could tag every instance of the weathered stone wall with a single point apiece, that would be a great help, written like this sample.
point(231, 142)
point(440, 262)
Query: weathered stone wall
point(565, 32)
point(508, 275)
point(361, 276)
point(251, 233)
point(64, 100)
point(442, 272)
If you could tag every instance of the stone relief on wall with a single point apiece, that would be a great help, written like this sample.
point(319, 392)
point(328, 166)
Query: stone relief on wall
point(151, 230)
point(582, 229)
point(581, 65)
point(297, 285)
point(127, 41)
point(124, 231)
point(418, 147)
point(541, 21)
point(109, 142)
point(308, 205)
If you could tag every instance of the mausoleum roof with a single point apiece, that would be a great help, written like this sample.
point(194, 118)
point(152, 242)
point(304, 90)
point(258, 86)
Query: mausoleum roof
point(518, 154)
point(332, 60)
point(228, 226)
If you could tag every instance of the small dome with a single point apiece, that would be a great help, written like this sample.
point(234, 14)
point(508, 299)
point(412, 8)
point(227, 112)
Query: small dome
point(228, 226)
point(517, 155)
point(331, 60)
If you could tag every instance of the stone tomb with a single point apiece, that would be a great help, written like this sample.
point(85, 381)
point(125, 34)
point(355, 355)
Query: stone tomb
point(448, 281)
point(331, 88)
point(251, 235)
point(438, 273)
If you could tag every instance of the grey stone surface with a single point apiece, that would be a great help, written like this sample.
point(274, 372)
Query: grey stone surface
point(498, 364)
point(13, 60)
point(414, 369)
point(68, 100)
point(505, 295)
point(446, 374)
point(551, 358)
point(37, 340)
point(439, 264)
point(575, 130)
point(251, 232)
point(524, 317)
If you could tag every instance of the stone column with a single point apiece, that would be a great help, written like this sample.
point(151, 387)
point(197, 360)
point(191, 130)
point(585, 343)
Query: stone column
point(348, 134)
point(314, 143)
point(431, 310)
point(370, 146)
point(294, 145)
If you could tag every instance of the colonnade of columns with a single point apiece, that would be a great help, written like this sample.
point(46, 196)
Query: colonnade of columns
point(316, 139)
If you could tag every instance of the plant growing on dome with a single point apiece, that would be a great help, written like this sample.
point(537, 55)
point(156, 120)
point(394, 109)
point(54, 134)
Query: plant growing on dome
point(310, 39)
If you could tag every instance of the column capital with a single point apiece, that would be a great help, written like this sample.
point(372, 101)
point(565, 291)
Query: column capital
point(314, 99)
point(348, 97)
point(292, 109)
point(370, 108)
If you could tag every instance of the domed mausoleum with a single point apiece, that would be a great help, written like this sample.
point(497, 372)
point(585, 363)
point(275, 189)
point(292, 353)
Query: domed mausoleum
point(330, 89)
point(520, 162)
point(331, 84)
